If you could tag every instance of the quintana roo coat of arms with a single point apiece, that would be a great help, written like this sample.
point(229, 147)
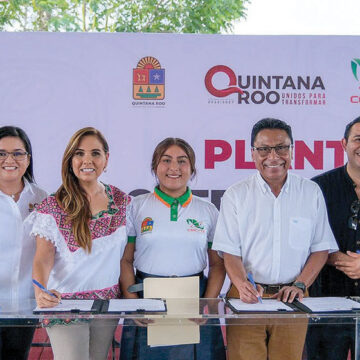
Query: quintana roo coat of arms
point(148, 80)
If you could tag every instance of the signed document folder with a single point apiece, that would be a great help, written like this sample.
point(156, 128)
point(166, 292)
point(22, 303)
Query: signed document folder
point(115, 306)
point(327, 304)
point(72, 306)
point(182, 301)
point(307, 305)
point(135, 306)
point(267, 305)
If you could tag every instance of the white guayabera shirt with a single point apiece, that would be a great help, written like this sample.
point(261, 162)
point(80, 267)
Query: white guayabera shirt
point(17, 248)
point(273, 235)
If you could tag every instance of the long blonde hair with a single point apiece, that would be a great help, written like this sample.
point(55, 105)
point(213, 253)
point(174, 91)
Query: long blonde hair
point(71, 196)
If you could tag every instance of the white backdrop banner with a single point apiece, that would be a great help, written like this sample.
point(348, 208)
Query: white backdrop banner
point(208, 89)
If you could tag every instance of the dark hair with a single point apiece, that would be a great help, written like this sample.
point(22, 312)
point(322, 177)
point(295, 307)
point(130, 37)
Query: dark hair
point(165, 144)
point(349, 126)
point(270, 123)
point(14, 131)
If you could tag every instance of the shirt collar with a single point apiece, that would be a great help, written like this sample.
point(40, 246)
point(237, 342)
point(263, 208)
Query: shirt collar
point(27, 187)
point(184, 200)
point(264, 186)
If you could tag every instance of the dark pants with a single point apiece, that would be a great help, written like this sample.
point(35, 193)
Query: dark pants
point(15, 341)
point(330, 341)
point(211, 347)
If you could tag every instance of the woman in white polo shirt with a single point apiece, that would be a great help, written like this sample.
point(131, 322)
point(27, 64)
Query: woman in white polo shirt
point(170, 233)
point(18, 195)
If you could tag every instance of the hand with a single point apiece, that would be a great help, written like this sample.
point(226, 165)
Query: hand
point(143, 322)
point(247, 292)
point(44, 300)
point(289, 294)
point(199, 321)
point(212, 307)
point(350, 266)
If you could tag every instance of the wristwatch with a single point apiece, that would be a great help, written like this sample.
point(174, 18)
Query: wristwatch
point(300, 285)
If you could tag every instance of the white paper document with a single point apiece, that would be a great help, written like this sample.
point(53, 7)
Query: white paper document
point(330, 304)
point(133, 305)
point(266, 305)
point(68, 306)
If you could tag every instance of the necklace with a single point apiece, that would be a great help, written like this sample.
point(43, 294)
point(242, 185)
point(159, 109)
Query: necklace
point(14, 195)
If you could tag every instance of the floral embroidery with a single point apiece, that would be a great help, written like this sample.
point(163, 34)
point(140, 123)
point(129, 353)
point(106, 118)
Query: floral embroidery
point(51, 322)
point(112, 292)
point(102, 224)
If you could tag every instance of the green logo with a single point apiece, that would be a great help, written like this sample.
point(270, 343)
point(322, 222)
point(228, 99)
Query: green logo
point(195, 223)
point(354, 66)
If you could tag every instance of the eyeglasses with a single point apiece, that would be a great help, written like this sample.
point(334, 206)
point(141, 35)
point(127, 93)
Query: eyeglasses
point(353, 219)
point(16, 155)
point(281, 150)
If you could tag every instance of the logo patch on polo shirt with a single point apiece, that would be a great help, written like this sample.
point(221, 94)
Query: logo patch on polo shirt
point(147, 225)
point(195, 225)
point(32, 207)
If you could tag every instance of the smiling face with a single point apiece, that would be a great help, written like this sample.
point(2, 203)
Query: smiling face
point(173, 171)
point(12, 170)
point(272, 167)
point(352, 147)
point(89, 159)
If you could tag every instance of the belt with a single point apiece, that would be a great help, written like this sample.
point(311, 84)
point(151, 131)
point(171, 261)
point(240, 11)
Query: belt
point(141, 275)
point(273, 288)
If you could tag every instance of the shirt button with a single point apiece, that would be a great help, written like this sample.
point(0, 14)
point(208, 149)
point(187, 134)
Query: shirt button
point(356, 283)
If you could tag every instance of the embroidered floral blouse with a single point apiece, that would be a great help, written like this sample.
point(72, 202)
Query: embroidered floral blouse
point(76, 273)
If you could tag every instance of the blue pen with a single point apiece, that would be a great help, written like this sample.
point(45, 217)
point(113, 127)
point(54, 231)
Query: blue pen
point(251, 279)
point(43, 288)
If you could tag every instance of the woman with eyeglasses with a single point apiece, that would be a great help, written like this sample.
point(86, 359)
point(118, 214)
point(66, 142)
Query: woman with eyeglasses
point(80, 236)
point(170, 233)
point(18, 196)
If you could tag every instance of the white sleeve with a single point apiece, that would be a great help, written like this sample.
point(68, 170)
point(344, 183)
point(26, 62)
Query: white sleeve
point(44, 225)
point(227, 236)
point(214, 214)
point(130, 224)
point(323, 237)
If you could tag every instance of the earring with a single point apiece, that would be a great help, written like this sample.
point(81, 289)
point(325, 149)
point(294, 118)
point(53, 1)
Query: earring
point(105, 170)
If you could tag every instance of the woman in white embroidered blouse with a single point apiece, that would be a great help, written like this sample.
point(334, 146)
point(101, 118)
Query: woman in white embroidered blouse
point(80, 236)
point(18, 194)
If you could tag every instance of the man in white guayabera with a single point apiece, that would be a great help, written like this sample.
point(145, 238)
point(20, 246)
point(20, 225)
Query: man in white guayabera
point(273, 225)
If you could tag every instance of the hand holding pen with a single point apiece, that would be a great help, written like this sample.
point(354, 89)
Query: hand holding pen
point(251, 279)
point(249, 292)
point(46, 298)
